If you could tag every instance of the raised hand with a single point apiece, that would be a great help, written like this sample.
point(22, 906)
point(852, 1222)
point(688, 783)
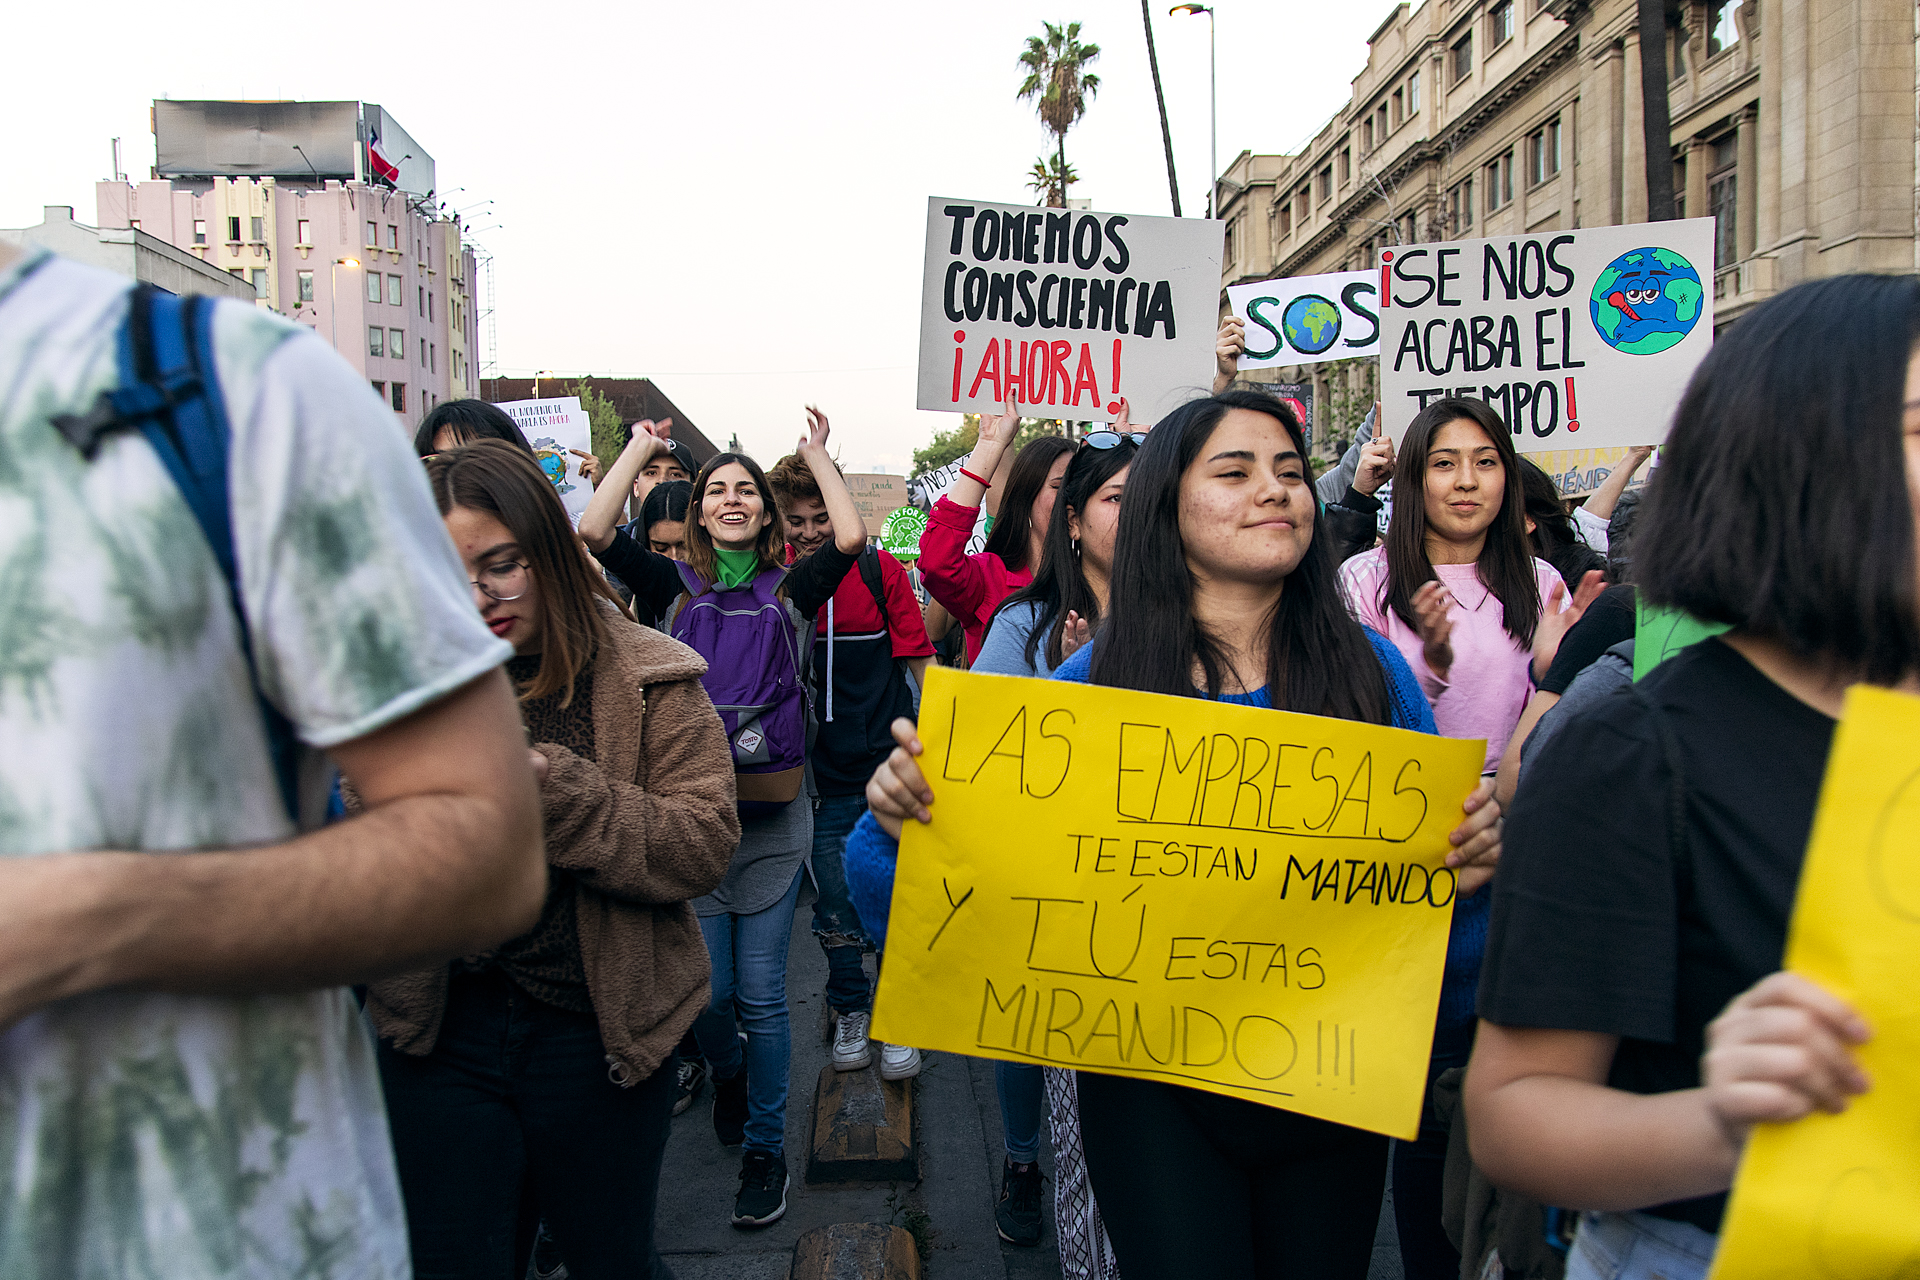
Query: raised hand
point(1375, 467)
point(1556, 622)
point(1227, 346)
point(1075, 631)
point(589, 466)
point(1779, 1051)
point(898, 790)
point(1430, 605)
point(815, 441)
point(997, 430)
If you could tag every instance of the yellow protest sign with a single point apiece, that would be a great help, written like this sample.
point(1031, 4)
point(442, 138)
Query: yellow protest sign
point(1246, 901)
point(1838, 1197)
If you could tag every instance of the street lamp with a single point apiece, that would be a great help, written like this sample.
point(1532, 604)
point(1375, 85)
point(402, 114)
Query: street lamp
point(1213, 94)
point(333, 297)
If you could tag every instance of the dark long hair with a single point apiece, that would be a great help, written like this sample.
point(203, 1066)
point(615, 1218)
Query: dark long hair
point(1780, 505)
point(494, 477)
point(1318, 657)
point(1553, 538)
point(1505, 566)
point(470, 420)
point(667, 500)
point(1060, 585)
point(768, 541)
point(1009, 538)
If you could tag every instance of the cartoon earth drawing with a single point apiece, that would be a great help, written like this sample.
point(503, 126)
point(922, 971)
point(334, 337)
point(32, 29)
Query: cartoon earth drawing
point(553, 460)
point(901, 534)
point(1646, 301)
point(1311, 323)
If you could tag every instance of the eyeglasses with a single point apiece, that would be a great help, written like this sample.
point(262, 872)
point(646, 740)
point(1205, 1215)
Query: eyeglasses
point(503, 582)
point(1105, 439)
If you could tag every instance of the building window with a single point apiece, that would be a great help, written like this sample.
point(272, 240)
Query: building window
point(259, 229)
point(393, 291)
point(304, 286)
point(1286, 219)
point(1346, 165)
point(433, 358)
point(1723, 191)
point(233, 230)
point(1460, 208)
point(1463, 57)
point(303, 231)
point(380, 389)
point(373, 286)
point(1677, 41)
point(1723, 25)
point(397, 343)
point(373, 236)
point(1407, 229)
point(134, 223)
point(1500, 182)
point(1500, 24)
point(422, 301)
point(1543, 154)
point(1367, 136)
point(429, 308)
point(238, 273)
point(399, 397)
point(1413, 94)
point(260, 282)
point(1326, 184)
point(199, 230)
point(393, 237)
point(376, 340)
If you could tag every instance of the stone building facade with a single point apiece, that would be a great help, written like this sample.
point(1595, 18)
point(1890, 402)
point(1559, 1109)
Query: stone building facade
point(1793, 125)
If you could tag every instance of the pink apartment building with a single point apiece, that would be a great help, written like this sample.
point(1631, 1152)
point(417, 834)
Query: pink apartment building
point(351, 246)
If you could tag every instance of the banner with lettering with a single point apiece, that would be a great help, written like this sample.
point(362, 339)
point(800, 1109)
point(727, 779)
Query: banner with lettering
point(1581, 339)
point(1249, 902)
point(555, 428)
point(1308, 319)
point(1066, 310)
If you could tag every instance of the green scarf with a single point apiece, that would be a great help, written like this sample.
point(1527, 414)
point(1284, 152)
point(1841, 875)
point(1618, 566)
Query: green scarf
point(736, 567)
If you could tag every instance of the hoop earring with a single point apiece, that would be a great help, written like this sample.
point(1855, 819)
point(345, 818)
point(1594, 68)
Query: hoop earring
point(1076, 547)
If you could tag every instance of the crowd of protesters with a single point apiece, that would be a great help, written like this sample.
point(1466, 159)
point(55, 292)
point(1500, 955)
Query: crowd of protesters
point(437, 1020)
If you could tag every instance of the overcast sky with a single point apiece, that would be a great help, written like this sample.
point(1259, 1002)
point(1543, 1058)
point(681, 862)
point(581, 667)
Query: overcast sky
point(728, 199)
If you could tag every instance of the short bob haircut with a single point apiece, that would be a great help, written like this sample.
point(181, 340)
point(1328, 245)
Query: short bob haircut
point(491, 476)
point(1009, 539)
point(469, 420)
point(768, 543)
point(1505, 566)
point(1780, 506)
point(1319, 659)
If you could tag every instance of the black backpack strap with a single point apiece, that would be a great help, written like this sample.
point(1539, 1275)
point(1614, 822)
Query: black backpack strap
point(1677, 844)
point(870, 574)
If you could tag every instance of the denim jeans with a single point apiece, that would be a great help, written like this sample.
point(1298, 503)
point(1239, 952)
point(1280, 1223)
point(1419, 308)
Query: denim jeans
point(511, 1118)
point(835, 922)
point(1022, 1090)
point(749, 955)
point(1638, 1246)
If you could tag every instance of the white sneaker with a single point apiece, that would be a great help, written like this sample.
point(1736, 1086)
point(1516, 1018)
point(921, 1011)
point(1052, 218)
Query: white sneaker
point(851, 1048)
point(899, 1062)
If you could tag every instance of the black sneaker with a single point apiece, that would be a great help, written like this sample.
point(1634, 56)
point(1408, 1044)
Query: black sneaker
point(547, 1263)
point(1018, 1213)
point(730, 1110)
point(763, 1190)
point(690, 1079)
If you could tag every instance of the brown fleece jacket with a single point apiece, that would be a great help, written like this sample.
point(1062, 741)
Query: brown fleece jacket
point(652, 824)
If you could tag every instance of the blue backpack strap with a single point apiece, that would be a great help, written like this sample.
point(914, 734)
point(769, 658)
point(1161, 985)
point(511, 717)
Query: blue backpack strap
point(170, 389)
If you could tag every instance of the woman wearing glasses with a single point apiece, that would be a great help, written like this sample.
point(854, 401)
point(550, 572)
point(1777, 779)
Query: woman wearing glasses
point(535, 1081)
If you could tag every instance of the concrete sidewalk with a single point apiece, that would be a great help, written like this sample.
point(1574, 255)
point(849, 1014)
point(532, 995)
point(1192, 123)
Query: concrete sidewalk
point(950, 1208)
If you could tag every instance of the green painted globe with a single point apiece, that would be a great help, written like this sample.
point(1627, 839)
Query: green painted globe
point(1311, 324)
point(1646, 301)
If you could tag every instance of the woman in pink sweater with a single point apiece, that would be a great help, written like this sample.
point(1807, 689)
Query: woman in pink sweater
point(971, 587)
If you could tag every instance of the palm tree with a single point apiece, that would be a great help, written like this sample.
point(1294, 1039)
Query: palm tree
point(1051, 179)
point(1058, 82)
point(1166, 134)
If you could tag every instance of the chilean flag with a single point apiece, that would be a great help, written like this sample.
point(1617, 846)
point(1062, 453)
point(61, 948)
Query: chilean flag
point(382, 167)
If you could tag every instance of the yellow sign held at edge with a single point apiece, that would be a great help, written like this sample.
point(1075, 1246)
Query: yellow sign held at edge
point(1246, 901)
point(1838, 1197)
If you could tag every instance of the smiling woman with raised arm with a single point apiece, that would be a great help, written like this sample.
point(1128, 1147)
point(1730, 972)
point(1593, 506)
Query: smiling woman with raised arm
point(1221, 589)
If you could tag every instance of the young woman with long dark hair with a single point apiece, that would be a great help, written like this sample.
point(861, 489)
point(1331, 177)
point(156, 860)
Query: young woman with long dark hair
point(1635, 1025)
point(1221, 590)
point(971, 587)
point(737, 575)
point(539, 1073)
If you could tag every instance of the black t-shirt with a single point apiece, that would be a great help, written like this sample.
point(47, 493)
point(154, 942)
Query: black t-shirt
point(1607, 621)
point(1599, 926)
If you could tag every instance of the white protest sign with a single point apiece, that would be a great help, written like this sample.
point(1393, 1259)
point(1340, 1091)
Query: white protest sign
point(1580, 339)
point(1066, 310)
point(552, 427)
point(1308, 319)
point(935, 485)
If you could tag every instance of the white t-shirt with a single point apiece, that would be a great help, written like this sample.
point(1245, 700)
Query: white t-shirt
point(203, 1136)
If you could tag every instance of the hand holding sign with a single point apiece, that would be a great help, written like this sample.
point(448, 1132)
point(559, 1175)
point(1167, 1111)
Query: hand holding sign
point(1778, 1052)
point(589, 466)
point(898, 790)
point(1227, 346)
point(1376, 464)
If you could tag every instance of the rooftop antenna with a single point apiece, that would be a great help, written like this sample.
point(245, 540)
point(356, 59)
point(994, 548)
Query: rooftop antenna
point(303, 156)
point(118, 174)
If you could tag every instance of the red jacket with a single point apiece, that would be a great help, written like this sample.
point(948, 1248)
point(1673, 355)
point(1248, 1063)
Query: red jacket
point(969, 587)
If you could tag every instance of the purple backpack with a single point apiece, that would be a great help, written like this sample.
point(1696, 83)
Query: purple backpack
point(755, 679)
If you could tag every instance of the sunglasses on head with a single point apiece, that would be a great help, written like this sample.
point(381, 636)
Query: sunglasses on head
point(1107, 439)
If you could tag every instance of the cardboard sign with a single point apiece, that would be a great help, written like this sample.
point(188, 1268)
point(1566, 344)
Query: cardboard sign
point(928, 489)
point(876, 496)
point(1579, 472)
point(552, 427)
point(1066, 310)
point(1308, 319)
point(1299, 398)
point(1244, 901)
point(1580, 339)
point(1834, 1196)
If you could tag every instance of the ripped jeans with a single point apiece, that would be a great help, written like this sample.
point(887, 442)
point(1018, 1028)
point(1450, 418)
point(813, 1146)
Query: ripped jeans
point(835, 922)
